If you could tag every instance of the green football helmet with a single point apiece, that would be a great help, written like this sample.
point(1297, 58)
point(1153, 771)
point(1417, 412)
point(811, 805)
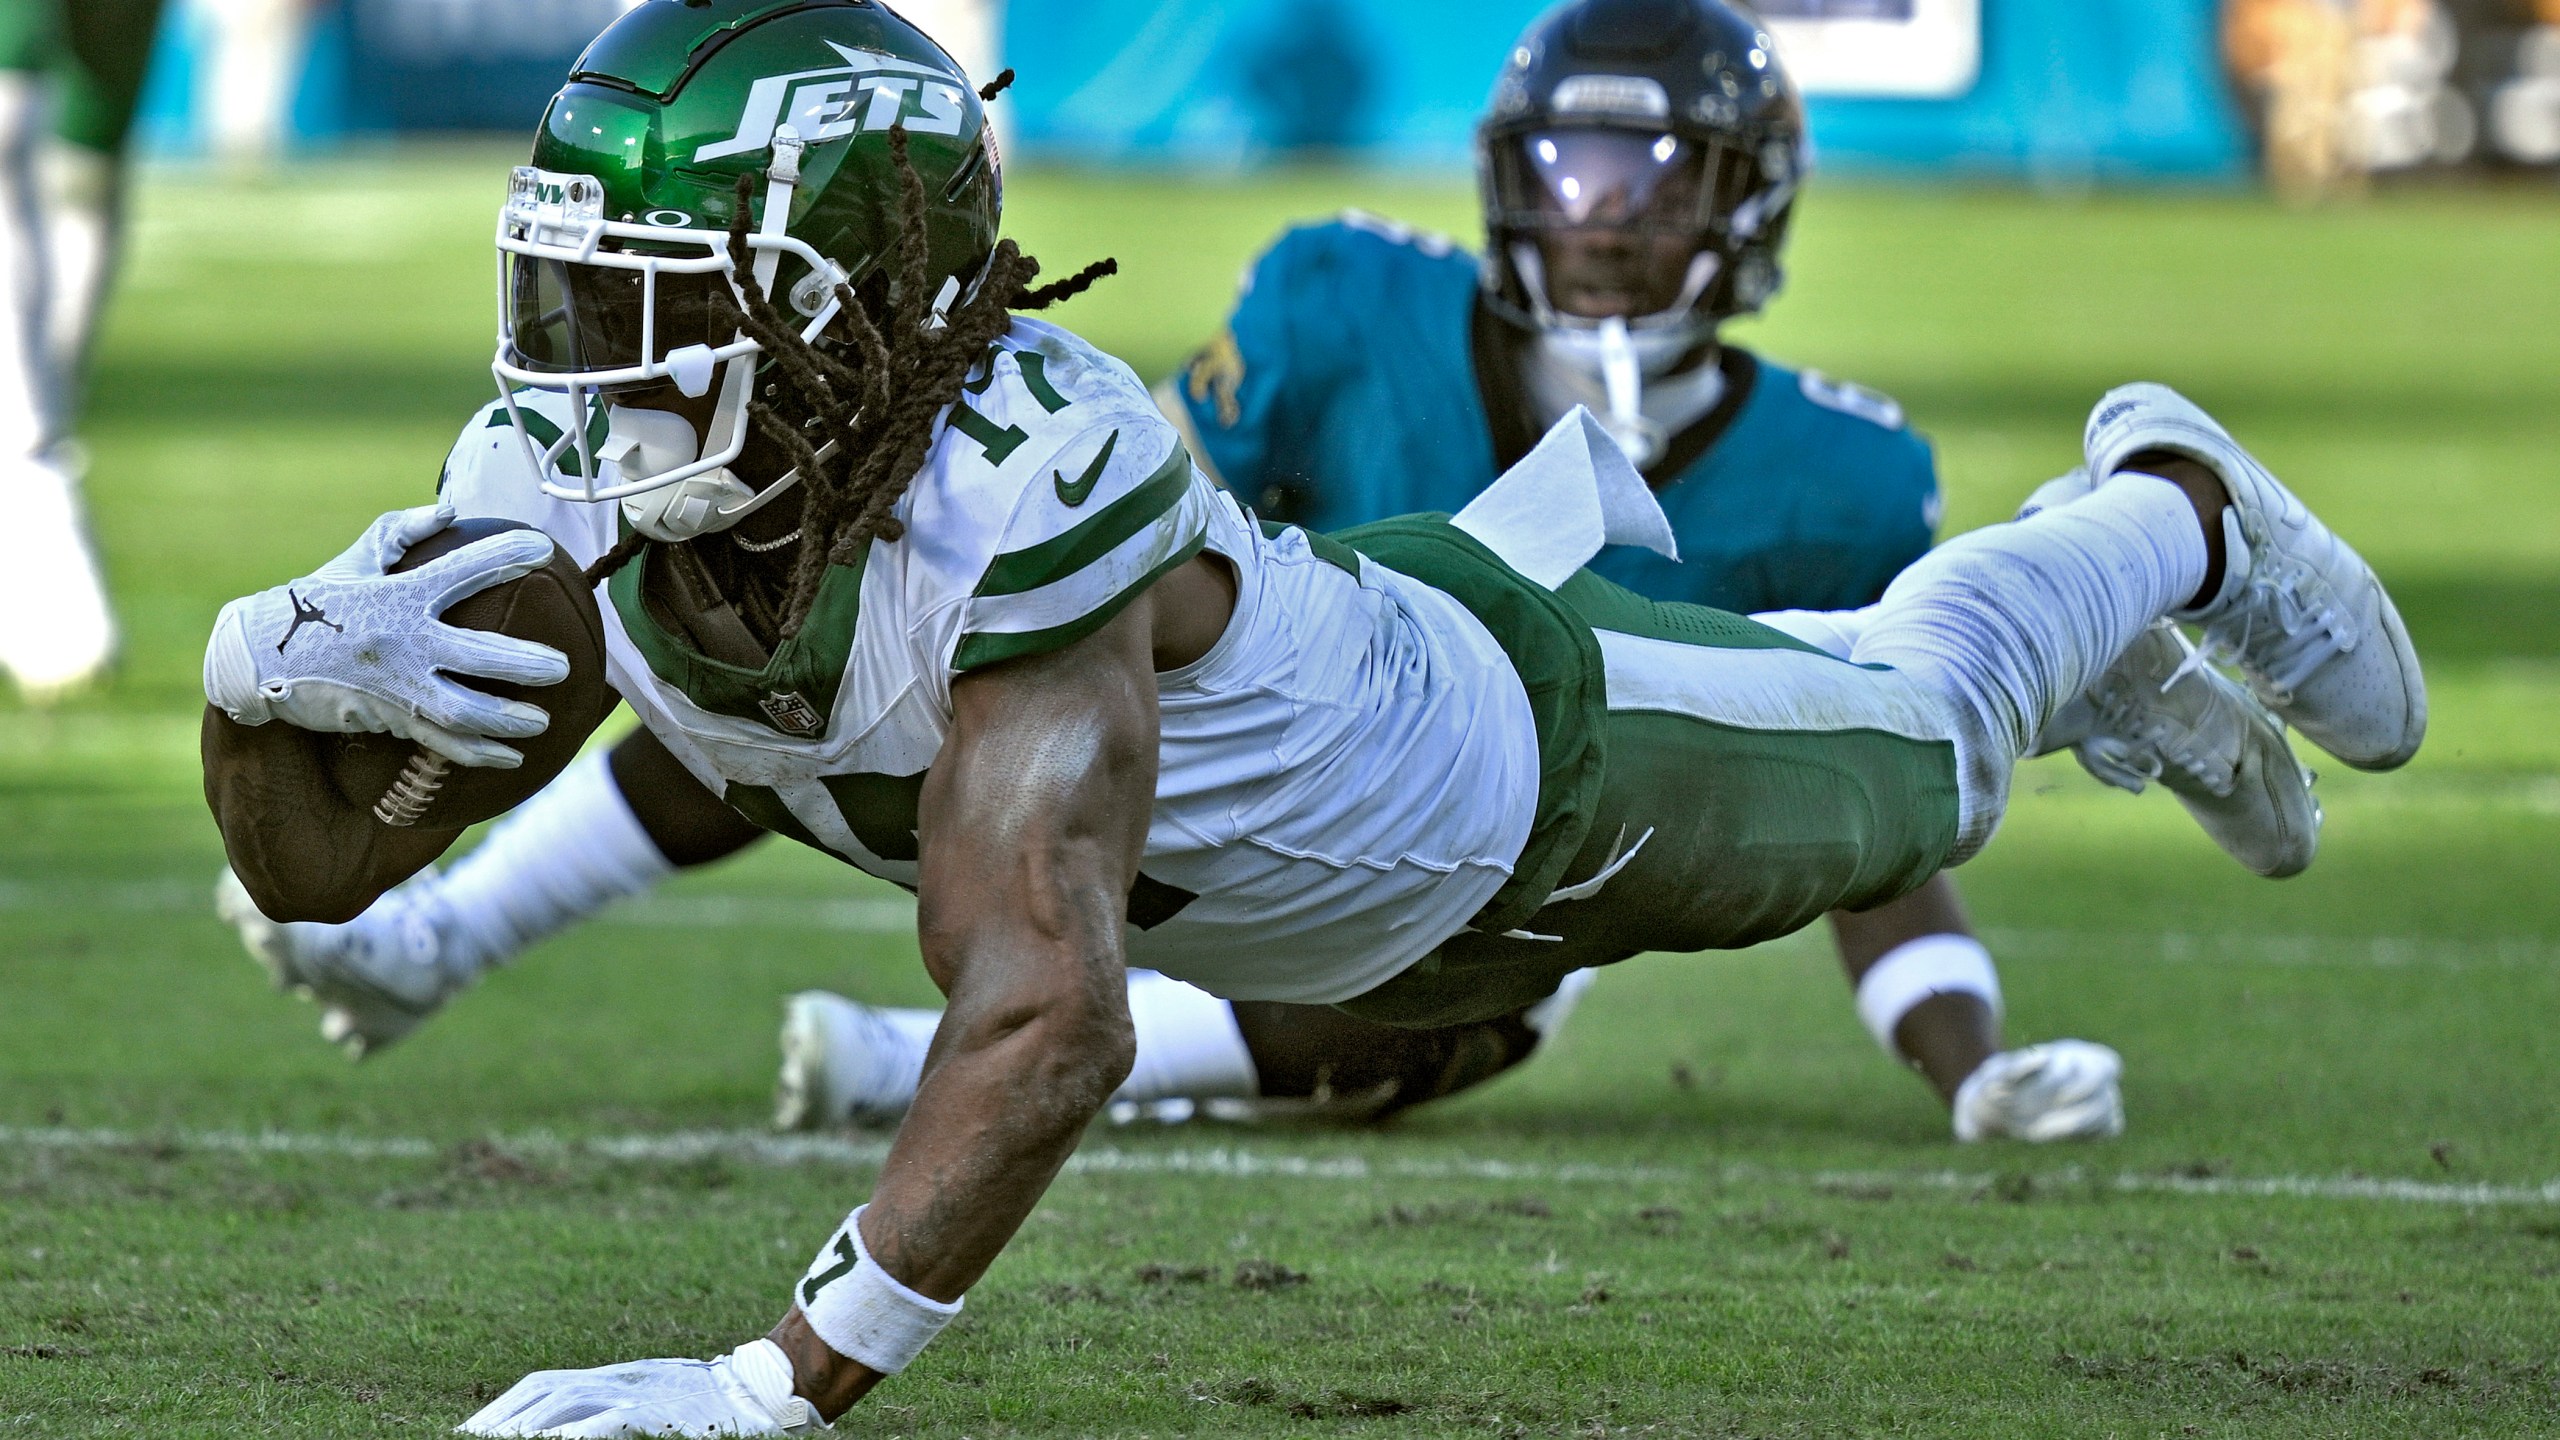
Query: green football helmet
point(615, 239)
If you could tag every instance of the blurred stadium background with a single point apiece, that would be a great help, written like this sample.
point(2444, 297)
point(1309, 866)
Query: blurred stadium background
point(2335, 221)
point(2059, 92)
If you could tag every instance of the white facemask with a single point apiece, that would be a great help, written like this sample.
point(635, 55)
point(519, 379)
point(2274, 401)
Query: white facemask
point(1624, 377)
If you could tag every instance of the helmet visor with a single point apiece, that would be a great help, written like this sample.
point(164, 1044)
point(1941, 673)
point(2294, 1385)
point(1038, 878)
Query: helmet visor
point(1622, 179)
point(1617, 178)
point(566, 318)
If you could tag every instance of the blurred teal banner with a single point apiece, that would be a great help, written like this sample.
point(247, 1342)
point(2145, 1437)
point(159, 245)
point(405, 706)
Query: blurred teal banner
point(2055, 91)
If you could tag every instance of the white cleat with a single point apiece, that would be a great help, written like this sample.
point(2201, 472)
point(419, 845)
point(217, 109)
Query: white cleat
point(2159, 714)
point(57, 634)
point(376, 977)
point(2299, 611)
point(2060, 1090)
point(845, 1063)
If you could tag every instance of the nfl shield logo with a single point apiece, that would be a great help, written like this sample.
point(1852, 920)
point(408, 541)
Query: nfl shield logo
point(792, 715)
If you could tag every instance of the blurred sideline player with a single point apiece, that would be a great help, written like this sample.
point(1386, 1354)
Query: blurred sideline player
point(71, 73)
point(1368, 372)
point(253, 62)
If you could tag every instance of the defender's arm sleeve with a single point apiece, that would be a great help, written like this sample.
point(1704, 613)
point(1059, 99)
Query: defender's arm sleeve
point(1119, 506)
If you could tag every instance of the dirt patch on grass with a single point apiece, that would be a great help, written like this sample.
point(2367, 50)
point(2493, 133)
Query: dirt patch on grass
point(1267, 1275)
point(2239, 1373)
point(1255, 1392)
point(1463, 1212)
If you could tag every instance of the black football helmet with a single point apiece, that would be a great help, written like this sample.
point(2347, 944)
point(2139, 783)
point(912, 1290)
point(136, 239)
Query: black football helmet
point(1661, 123)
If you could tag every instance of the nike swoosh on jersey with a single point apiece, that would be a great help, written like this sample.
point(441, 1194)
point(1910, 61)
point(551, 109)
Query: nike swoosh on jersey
point(1079, 490)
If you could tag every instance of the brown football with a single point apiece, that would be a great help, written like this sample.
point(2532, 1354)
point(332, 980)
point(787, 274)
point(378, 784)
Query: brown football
point(405, 785)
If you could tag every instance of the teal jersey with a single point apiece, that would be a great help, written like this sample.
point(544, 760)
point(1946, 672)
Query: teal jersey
point(1349, 387)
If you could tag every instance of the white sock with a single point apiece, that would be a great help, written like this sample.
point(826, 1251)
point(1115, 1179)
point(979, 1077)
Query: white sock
point(566, 854)
point(29, 390)
point(876, 1060)
point(2010, 622)
point(83, 192)
point(1188, 1043)
point(1548, 1015)
point(255, 45)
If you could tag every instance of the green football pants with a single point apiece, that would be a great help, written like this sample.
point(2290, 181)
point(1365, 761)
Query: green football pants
point(1753, 786)
point(96, 51)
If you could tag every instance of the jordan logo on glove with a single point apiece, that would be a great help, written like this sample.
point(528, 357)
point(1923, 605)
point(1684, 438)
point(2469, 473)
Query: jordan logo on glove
point(305, 613)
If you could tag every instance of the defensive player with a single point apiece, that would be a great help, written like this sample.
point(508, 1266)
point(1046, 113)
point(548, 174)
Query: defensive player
point(1370, 371)
point(938, 590)
point(70, 77)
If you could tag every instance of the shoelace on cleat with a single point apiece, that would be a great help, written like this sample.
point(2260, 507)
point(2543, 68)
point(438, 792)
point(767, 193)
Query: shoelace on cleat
point(2311, 627)
point(2162, 743)
point(2150, 739)
point(2125, 765)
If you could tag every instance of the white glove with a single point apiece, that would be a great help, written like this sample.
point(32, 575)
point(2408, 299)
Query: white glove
point(2060, 1090)
point(352, 647)
point(745, 1392)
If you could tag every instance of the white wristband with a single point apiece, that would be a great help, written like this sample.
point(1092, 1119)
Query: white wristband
point(861, 1310)
point(1915, 970)
point(231, 672)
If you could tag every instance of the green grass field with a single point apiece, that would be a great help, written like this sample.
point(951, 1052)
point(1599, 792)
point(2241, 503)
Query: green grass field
point(1713, 1209)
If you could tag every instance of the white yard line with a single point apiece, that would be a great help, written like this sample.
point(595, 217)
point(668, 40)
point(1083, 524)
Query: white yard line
point(1243, 1163)
point(895, 915)
point(2354, 952)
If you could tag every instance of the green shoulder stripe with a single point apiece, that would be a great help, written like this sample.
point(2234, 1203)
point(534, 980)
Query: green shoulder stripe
point(1035, 378)
point(546, 434)
point(1018, 572)
point(989, 647)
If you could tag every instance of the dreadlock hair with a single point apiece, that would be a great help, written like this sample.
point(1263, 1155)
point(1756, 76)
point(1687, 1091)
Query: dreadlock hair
point(874, 393)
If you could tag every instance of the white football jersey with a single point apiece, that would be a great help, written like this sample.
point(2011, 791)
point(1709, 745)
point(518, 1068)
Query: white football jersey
point(1345, 778)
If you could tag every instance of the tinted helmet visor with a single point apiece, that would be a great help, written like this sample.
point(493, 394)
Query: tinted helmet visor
point(1623, 178)
point(568, 318)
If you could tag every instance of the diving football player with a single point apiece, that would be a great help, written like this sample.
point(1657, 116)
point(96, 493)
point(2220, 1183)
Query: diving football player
point(70, 77)
point(934, 587)
point(1634, 197)
point(1370, 371)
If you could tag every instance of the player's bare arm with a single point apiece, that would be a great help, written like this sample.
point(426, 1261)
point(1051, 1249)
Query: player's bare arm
point(1031, 827)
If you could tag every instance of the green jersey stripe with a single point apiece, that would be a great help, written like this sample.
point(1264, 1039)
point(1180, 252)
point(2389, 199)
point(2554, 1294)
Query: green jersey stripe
point(1035, 378)
point(1054, 559)
point(546, 434)
point(987, 648)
